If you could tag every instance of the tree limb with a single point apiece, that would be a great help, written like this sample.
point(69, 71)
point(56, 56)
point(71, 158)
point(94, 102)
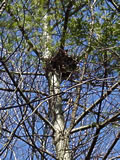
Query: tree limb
point(97, 102)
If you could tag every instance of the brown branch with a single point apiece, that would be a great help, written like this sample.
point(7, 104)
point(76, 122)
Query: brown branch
point(34, 110)
point(95, 125)
point(75, 107)
point(24, 90)
point(106, 94)
point(23, 73)
point(30, 144)
point(77, 9)
point(115, 158)
point(112, 119)
point(112, 146)
point(93, 144)
point(70, 14)
point(23, 32)
point(98, 115)
point(10, 138)
point(67, 15)
point(99, 127)
point(82, 128)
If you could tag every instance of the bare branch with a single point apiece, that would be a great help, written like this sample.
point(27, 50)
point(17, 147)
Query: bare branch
point(97, 102)
point(24, 33)
point(112, 146)
point(25, 98)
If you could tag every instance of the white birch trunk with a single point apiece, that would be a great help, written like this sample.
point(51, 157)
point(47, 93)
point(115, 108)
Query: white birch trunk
point(60, 137)
point(46, 40)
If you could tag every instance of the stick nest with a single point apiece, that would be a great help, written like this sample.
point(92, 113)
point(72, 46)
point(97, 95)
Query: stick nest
point(62, 63)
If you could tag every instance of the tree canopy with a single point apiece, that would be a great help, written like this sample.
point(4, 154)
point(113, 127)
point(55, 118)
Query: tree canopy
point(59, 79)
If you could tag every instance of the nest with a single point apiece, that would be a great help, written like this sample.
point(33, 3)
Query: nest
point(62, 63)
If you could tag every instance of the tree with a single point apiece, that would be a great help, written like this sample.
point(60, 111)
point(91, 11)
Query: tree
point(59, 74)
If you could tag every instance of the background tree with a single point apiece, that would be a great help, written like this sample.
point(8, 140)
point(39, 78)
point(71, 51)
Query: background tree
point(59, 76)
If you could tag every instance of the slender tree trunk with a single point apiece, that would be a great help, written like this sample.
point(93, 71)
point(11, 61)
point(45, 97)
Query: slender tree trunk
point(60, 136)
point(61, 140)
